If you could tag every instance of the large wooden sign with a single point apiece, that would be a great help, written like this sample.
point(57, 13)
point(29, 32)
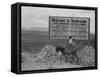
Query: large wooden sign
point(64, 27)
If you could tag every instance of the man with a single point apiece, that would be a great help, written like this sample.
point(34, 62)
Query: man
point(72, 48)
point(71, 41)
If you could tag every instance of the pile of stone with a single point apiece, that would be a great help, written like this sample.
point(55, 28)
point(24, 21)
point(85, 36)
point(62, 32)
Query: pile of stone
point(48, 56)
point(87, 56)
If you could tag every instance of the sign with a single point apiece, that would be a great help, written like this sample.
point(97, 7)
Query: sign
point(64, 27)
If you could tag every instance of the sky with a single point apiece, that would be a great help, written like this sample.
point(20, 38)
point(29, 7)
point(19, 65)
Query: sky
point(38, 17)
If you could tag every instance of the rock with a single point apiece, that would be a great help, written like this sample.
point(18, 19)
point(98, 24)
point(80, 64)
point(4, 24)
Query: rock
point(48, 56)
point(87, 56)
point(47, 50)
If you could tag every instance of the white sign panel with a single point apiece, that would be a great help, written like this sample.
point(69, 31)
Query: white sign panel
point(64, 27)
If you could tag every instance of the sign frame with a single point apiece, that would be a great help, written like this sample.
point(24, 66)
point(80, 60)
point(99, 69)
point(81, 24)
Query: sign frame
point(16, 36)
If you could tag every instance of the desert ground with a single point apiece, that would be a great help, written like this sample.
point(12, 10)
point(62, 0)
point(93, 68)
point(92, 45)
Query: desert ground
point(33, 41)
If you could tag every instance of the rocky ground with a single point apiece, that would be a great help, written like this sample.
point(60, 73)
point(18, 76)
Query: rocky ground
point(48, 58)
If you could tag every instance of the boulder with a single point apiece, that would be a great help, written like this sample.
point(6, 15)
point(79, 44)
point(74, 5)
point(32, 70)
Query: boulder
point(48, 56)
point(87, 56)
